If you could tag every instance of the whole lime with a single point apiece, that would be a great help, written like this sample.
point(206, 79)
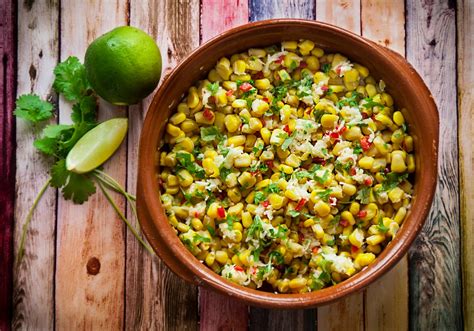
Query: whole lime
point(123, 65)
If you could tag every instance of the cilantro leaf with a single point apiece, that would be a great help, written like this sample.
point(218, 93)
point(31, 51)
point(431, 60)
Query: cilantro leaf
point(357, 148)
point(371, 104)
point(293, 213)
point(70, 79)
point(256, 226)
point(198, 238)
point(213, 87)
point(324, 195)
point(211, 133)
point(326, 68)
point(185, 162)
point(288, 141)
point(381, 227)
point(392, 180)
point(74, 186)
point(211, 230)
point(364, 195)
point(276, 256)
point(259, 197)
point(31, 108)
point(273, 188)
point(224, 172)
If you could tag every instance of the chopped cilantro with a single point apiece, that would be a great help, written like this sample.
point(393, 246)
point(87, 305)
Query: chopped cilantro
point(324, 195)
point(259, 197)
point(381, 227)
point(224, 172)
point(198, 238)
point(326, 68)
point(276, 257)
point(211, 133)
point(370, 103)
point(392, 180)
point(357, 148)
point(293, 213)
point(272, 188)
point(364, 195)
point(213, 87)
point(256, 226)
point(185, 162)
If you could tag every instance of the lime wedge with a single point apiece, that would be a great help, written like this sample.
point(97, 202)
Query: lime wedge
point(97, 145)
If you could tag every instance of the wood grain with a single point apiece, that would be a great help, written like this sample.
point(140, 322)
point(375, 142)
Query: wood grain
point(348, 312)
point(90, 233)
point(7, 162)
point(434, 272)
point(33, 294)
point(155, 298)
point(265, 319)
point(386, 301)
point(218, 312)
point(465, 40)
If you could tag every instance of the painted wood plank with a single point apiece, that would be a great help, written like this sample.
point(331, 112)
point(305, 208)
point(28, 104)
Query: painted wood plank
point(33, 296)
point(348, 312)
point(155, 298)
point(386, 301)
point(465, 39)
point(7, 162)
point(265, 319)
point(434, 271)
point(90, 257)
point(218, 312)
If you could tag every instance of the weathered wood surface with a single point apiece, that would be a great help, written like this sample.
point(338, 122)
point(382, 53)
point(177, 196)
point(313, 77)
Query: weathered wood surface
point(33, 296)
point(7, 161)
point(155, 298)
point(434, 271)
point(90, 233)
point(265, 319)
point(216, 17)
point(465, 69)
point(136, 291)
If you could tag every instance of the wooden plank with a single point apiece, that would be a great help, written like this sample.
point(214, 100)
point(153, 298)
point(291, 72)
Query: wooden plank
point(465, 40)
point(33, 296)
point(348, 312)
point(434, 271)
point(90, 246)
point(384, 307)
point(265, 319)
point(218, 312)
point(156, 299)
point(7, 162)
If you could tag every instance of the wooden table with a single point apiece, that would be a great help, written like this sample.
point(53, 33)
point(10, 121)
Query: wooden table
point(54, 289)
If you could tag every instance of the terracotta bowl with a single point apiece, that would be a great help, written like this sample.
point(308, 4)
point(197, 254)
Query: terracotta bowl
point(403, 83)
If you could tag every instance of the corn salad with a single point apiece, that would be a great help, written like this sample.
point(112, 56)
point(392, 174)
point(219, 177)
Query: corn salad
point(287, 169)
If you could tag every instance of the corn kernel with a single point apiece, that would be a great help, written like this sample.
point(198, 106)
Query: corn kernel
point(293, 161)
point(236, 140)
point(357, 238)
point(322, 208)
point(276, 200)
point(328, 121)
point(366, 162)
point(222, 257)
point(262, 84)
point(395, 195)
point(265, 134)
point(397, 162)
point(239, 67)
point(185, 178)
point(347, 216)
point(375, 239)
point(243, 161)
point(177, 118)
point(364, 259)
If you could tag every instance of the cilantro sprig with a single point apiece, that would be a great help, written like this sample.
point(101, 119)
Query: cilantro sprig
point(57, 140)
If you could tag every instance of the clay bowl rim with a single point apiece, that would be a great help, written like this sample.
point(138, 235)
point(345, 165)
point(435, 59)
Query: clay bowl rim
point(167, 244)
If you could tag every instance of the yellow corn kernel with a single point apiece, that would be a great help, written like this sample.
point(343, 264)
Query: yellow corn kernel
point(293, 161)
point(236, 237)
point(371, 90)
point(183, 108)
point(289, 45)
point(354, 208)
point(398, 118)
point(170, 160)
point(172, 180)
point(375, 239)
point(250, 197)
point(239, 103)
point(238, 140)
point(193, 98)
point(182, 227)
point(351, 79)
point(397, 162)
point(231, 180)
point(372, 210)
point(276, 200)
point(346, 215)
point(197, 224)
point(234, 195)
point(246, 219)
point(290, 194)
point(393, 229)
point(317, 52)
point(243, 161)
point(239, 67)
point(297, 283)
point(366, 162)
point(266, 134)
point(306, 46)
point(235, 260)
point(283, 285)
point(247, 180)
point(244, 257)
point(395, 195)
point(387, 99)
point(186, 144)
point(384, 119)
point(284, 75)
point(267, 155)
point(363, 71)
point(262, 84)
point(258, 52)
point(349, 189)
point(259, 107)
point(185, 178)
point(208, 119)
point(189, 126)
point(357, 238)
point(263, 183)
point(410, 163)
point(210, 153)
point(172, 190)
point(318, 230)
point(243, 78)
point(336, 89)
point(313, 63)
point(352, 134)
point(172, 130)
point(177, 118)
point(381, 145)
point(309, 222)
point(374, 249)
point(255, 124)
point(286, 169)
point(364, 259)
point(328, 121)
point(322, 208)
point(222, 257)
point(210, 258)
point(212, 210)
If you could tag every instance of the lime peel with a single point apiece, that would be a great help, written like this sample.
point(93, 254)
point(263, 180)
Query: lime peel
point(97, 146)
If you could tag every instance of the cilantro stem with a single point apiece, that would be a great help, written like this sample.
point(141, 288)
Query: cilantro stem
point(29, 216)
point(112, 183)
point(122, 216)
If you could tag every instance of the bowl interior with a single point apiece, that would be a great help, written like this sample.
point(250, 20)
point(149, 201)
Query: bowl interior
point(403, 83)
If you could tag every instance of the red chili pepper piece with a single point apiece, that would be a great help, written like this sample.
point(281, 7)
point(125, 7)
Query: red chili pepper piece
point(303, 64)
point(238, 268)
point(362, 213)
point(364, 115)
point(286, 128)
point(258, 75)
point(300, 204)
point(245, 87)
point(229, 93)
point(332, 201)
point(365, 143)
point(344, 223)
point(343, 129)
point(266, 203)
point(315, 250)
point(221, 212)
point(269, 163)
point(354, 249)
point(338, 70)
point(196, 214)
point(324, 88)
point(212, 99)
point(368, 181)
point(353, 171)
point(319, 160)
point(208, 114)
point(334, 135)
point(280, 59)
point(265, 99)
